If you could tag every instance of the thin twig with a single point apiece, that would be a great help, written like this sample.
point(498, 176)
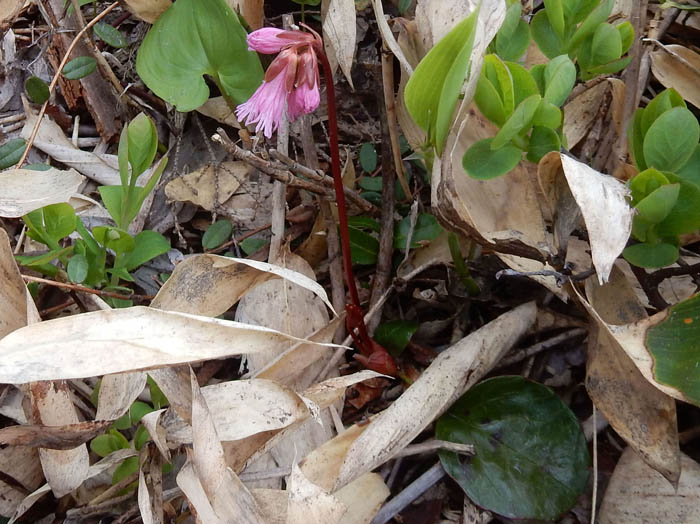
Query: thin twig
point(430, 446)
point(527, 352)
point(56, 76)
point(83, 289)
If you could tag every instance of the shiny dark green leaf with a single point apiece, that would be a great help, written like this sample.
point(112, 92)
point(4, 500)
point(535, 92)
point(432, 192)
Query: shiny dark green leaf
point(368, 157)
point(79, 67)
point(395, 334)
point(363, 247)
point(110, 35)
point(37, 89)
point(671, 139)
point(11, 151)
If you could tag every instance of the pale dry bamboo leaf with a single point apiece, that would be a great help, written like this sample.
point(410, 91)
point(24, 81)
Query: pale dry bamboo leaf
point(580, 112)
point(448, 376)
point(174, 382)
point(64, 437)
point(230, 499)
point(388, 36)
point(678, 67)
point(24, 190)
point(210, 186)
point(13, 292)
point(339, 33)
point(155, 429)
point(51, 403)
point(117, 393)
point(21, 464)
point(636, 494)
point(309, 504)
point(137, 338)
point(605, 209)
point(329, 391)
point(144, 500)
point(363, 498)
point(188, 481)
point(273, 504)
point(147, 10)
point(641, 414)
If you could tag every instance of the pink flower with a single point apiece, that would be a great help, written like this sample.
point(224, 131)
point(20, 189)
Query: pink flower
point(292, 78)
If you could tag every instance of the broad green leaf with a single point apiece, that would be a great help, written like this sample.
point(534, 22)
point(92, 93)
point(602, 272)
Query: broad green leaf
point(599, 15)
point(368, 157)
point(542, 141)
point(690, 172)
point(371, 183)
point(651, 256)
point(77, 268)
point(426, 229)
point(110, 35)
point(524, 84)
point(59, 220)
point(37, 89)
point(373, 197)
point(514, 35)
point(685, 215)
point(578, 10)
point(626, 31)
point(432, 92)
point(645, 183)
point(112, 200)
point(531, 458)
point(606, 44)
point(11, 151)
point(41, 260)
point(216, 234)
point(671, 140)
point(126, 468)
point(79, 67)
point(607, 69)
point(108, 443)
point(658, 204)
point(537, 72)
point(483, 163)
point(143, 144)
point(363, 247)
point(675, 348)
point(559, 80)
point(395, 335)
point(547, 115)
point(363, 222)
point(489, 102)
point(499, 76)
point(193, 38)
point(520, 120)
point(664, 101)
point(545, 36)
point(555, 14)
point(147, 246)
point(636, 139)
point(251, 245)
point(141, 437)
point(113, 238)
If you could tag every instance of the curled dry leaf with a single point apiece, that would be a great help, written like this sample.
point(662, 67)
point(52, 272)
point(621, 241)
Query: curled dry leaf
point(388, 36)
point(641, 414)
point(52, 437)
point(117, 393)
point(155, 429)
point(24, 190)
point(339, 33)
point(637, 494)
point(309, 504)
point(448, 377)
point(147, 10)
point(581, 111)
point(13, 292)
point(217, 108)
point(210, 186)
point(132, 339)
point(678, 67)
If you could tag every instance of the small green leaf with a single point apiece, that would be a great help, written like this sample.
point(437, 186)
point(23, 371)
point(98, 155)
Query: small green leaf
point(673, 344)
point(363, 222)
point(531, 458)
point(645, 183)
point(77, 269)
point(545, 36)
point(218, 233)
point(147, 246)
point(110, 35)
point(395, 335)
point(606, 45)
point(658, 204)
point(542, 141)
point(40, 260)
point(141, 437)
point(559, 79)
point(651, 256)
point(685, 215)
point(251, 245)
point(37, 89)
point(555, 14)
point(671, 140)
point(158, 398)
point(690, 172)
point(483, 163)
point(371, 183)
point(520, 120)
point(143, 144)
point(626, 31)
point(607, 69)
point(524, 84)
point(433, 90)
point(427, 228)
point(599, 15)
point(59, 220)
point(537, 72)
point(664, 101)
point(112, 200)
point(489, 101)
point(363, 247)
point(105, 444)
point(126, 468)
point(113, 238)
point(514, 35)
point(193, 38)
point(547, 115)
point(636, 139)
point(79, 67)
point(11, 151)
point(368, 157)
point(498, 74)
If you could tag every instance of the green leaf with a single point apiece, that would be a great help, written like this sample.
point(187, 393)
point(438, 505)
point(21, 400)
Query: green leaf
point(363, 247)
point(520, 120)
point(483, 163)
point(671, 140)
point(363, 222)
point(114, 238)
point(685, 215)
point(108, 443)
point(542, 141)
point(555, 14)
point(636, 139)
point(626, 31)
point(126, 468)
point(498, 74)
point(216, 234)
point(599, 15)
point(691, 170)
point(40, 260)
point(545, 36)
point(645, 183)
point(37, 89)
point(432, 92)
point(112, 199)
point(141, 437)
point(403, 5)
point(651, 256)
point(371, 183)
point(547, 115)
point(524, 84)
point(395, 335)
point(664, 101)
point(11, 151)
point(514, 35)
point(110, 35)
point(427, 228)
point(143, 143)
point(147, 246)
point(607, 69)
point(531, 458)
point(77, 268)
point(79, 67)
point(193, 38)
point(368, 157)
point(659, 203)
point(606, 45)
point(158, 398)
point(59, 220)
point(559, 80)
point(489, 102)
point(537, 72)
point(251, 245)
point(673, 344)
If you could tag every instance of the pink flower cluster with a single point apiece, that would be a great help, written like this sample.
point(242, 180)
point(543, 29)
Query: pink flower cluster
point(292, 78)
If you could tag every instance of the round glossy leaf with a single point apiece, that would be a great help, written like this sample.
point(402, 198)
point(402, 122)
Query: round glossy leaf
point(79, 67)
point(512, 47)
point(542, 141)
point(626, 31)
point(685, 215)
point(531, 458)
point(547, 115)
point(218, 233)
point(671, 139)
point(37, 89)
point(251, 245)
point(690, 172)
point(110, 35)
point(658, 204)
point(395, 334)
point(483, 163)
point(555, 14)
point(559, 79)
point(646, 182)
point(77, 268)
point(606, 45)
point(651, 256)
point(544, 35)
point(11, 151)
point(664, 101)
point(524, 84)
point(368, 157)
point(363, 247)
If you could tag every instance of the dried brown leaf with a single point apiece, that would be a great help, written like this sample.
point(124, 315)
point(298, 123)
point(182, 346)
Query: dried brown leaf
point(24, 190)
